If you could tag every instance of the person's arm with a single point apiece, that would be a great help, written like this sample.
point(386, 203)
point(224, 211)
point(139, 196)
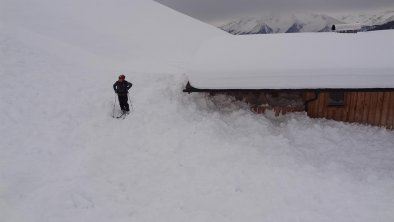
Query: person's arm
point(114, 86)
point(129, 85)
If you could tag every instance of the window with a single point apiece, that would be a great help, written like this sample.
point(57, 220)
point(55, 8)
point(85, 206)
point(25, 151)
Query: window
point(336, 99)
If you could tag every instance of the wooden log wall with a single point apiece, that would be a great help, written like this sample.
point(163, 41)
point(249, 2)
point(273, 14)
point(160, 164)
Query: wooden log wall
point(279, 110)
point(278, 102)
point(374, 108)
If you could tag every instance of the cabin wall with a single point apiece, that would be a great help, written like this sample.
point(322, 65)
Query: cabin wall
point(279, 102)
point(374, 108)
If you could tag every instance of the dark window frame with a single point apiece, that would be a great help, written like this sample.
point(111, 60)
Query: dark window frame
point(336, 99)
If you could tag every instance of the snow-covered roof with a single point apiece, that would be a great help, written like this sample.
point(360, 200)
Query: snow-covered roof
point(348, 27)
point(295, 61)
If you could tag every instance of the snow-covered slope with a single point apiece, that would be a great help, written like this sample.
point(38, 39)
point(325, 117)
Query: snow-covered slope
point(307, 22)
point(121, 30)
point(177, 157)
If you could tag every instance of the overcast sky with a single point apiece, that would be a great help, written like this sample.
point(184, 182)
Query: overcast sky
point(214, 11)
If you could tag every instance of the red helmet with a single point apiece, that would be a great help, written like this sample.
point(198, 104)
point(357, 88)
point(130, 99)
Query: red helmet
point(122, 77)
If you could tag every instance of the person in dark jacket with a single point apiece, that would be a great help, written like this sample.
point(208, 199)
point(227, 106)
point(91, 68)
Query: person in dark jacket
point(121, 88)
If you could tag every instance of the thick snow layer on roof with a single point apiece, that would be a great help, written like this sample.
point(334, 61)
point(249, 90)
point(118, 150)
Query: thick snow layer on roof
point(296, 61)
point(344, 27)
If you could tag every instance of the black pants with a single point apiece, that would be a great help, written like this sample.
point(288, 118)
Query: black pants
point(123, 102)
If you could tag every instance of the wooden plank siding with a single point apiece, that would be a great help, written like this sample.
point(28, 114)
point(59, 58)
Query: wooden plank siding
point(390, 116)
point(373, 108)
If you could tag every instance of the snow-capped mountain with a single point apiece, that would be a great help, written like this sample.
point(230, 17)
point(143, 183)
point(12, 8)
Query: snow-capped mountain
point(369, 18)
point(280, 24)
point(388, 25)
point(247, 26)
point(311, 22)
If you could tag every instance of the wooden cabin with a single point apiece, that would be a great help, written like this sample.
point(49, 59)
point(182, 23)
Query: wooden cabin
point(349, 83)
point(367, 106)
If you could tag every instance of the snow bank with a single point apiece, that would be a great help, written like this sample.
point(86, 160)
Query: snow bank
point(177, 157)
point(295, 61)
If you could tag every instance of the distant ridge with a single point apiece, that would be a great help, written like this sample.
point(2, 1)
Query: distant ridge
point(312, 22)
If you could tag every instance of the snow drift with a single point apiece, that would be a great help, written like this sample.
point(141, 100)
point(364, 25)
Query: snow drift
point(177, 157)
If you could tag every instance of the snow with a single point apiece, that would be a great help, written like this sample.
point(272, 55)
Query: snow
point(295, 61)
point(280, 23)
point(177, 157)
point(373, 17)
point(306, 22)
point(348, 27)
point(117, 30)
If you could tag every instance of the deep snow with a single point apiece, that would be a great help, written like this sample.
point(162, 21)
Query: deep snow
point(177, 157)
point(295, 61)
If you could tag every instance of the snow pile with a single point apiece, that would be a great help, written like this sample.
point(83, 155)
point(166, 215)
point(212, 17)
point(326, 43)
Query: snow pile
point(296, 61)
point(177, 157)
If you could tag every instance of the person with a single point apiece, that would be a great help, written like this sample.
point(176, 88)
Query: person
point(121, 88)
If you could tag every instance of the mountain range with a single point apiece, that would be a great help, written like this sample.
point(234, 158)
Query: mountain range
point(308, 22)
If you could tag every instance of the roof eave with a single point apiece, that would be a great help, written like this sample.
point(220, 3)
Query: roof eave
point(189, 89)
